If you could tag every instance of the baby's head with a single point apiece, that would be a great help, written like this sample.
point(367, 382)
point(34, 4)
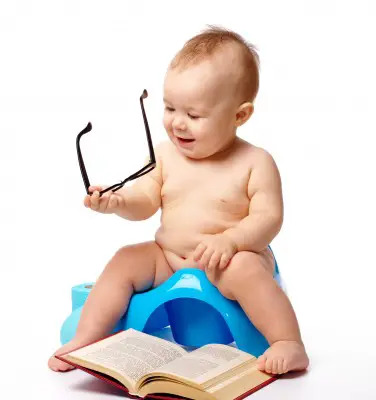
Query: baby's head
point(209, 90)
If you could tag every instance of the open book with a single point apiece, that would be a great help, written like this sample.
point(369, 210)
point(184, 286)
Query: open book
point(145, 365)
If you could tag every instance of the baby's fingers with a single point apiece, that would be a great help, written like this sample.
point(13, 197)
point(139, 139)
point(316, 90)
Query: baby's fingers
point(100, 203)
point(214, 260)
point(95, 201)
point(225, 259)
point(110, 203)
point(199, 251)
point(87, 201)
point(113, 203)
point(107, 203)
point(94, 188)
point(88, 198)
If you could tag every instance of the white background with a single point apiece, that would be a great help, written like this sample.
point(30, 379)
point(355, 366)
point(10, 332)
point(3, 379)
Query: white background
point(64, 63)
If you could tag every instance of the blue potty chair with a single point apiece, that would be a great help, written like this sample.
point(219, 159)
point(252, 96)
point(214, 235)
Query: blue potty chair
point(190, 304)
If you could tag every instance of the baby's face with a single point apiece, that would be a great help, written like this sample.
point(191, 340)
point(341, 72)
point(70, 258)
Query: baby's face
point(200, 109)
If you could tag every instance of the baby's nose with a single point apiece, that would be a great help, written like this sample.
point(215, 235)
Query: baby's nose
point(179, 124)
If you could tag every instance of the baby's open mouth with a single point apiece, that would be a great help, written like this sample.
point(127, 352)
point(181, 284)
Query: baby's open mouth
point(186, 140)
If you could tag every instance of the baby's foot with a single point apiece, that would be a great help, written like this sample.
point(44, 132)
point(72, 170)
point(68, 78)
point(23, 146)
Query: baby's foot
point(57, 365)
point(283, 356)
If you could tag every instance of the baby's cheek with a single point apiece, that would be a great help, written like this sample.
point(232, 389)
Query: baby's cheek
point(167, 123)
point(200, 134)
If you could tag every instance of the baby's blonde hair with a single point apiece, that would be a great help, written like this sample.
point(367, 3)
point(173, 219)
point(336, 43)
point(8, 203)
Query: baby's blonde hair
point(211, 40)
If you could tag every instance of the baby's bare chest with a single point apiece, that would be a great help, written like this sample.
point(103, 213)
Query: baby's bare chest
point(206, 189)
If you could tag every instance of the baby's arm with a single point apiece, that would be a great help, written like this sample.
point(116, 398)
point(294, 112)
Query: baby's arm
point(257, 230)
point(143, 198)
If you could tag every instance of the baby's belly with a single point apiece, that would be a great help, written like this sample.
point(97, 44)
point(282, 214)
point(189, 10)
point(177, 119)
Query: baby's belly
point(180, 234)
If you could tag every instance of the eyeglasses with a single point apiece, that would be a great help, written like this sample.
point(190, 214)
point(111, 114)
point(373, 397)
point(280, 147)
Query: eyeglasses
point(147, 168)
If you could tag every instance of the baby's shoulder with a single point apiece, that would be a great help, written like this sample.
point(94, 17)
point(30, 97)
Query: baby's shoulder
point(166, 152)
point(255, 154)
point(163, 153)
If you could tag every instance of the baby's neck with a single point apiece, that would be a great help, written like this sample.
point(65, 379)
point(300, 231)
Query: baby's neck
point(226, 151)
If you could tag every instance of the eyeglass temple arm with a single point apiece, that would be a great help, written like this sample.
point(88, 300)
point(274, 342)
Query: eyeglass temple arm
point(147, 168)
point(80, 159)
point(150, 143)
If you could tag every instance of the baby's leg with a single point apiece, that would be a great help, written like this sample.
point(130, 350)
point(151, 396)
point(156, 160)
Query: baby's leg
point(249, 279)
point(133, 268)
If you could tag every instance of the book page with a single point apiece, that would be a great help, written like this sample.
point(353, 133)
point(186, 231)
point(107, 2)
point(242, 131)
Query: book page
point(130, 353)
point(207, 364)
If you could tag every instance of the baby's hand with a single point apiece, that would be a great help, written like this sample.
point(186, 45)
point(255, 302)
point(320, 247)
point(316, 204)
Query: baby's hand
point(108, 203)
point(215, 251)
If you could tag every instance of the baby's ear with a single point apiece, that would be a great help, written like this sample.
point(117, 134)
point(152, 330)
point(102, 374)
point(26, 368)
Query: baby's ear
point(243, 113)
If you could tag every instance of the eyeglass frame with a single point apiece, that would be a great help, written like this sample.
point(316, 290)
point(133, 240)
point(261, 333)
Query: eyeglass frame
point(144, 170)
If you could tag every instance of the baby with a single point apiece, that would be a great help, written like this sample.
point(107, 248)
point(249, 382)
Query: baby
point(220, 198)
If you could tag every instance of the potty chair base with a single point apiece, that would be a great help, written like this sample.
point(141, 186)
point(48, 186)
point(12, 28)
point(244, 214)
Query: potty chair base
point(191, 305)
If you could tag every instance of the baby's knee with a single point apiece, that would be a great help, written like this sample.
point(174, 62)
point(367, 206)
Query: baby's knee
point(123, 253)
point(244, 264)
point(121, 258)
point(122, 265)
point(248, 264)
point(132, 255)
point(142, 265)
point(244, 268)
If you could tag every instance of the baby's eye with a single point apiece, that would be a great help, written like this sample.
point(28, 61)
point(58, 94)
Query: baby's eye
point(169, 109)
point(193, 116)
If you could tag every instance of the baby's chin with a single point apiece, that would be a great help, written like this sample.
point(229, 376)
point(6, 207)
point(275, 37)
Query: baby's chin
point(195, 154)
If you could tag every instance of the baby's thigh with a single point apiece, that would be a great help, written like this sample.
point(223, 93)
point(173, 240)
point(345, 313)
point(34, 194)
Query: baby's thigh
point(245, 267)
point(144, 264)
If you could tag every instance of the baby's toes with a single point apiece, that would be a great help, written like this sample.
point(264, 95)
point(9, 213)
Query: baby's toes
point(285, 367)
point(278, 366)
point(261, 363)
point(269, 365)
point(57, 365)
point(275, 366)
